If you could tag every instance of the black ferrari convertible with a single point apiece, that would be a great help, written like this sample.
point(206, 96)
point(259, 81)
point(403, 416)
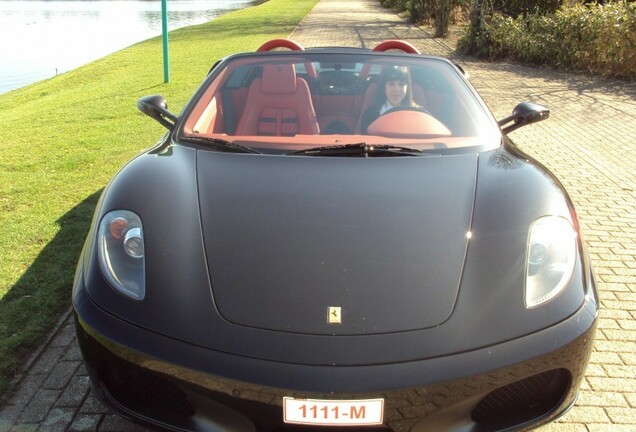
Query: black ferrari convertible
point(336, 239)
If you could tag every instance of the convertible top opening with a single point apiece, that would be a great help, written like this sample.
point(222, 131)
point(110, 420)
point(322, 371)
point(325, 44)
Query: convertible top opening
point(279, 100)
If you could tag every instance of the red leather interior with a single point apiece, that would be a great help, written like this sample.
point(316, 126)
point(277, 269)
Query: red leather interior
point(278, 104)
point(408, 124)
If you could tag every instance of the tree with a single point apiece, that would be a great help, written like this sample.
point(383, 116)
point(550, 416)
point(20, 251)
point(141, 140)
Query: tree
point(442, 18)
point(473, 42)
point(438, 11)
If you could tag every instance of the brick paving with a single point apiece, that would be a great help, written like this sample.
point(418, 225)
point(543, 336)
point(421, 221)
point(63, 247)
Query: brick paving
point(589, 142)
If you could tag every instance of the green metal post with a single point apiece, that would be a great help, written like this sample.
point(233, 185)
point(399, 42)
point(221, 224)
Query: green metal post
point(164, 32)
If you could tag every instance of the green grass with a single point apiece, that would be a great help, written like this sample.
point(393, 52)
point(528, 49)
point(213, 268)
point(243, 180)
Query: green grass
point(62, 139)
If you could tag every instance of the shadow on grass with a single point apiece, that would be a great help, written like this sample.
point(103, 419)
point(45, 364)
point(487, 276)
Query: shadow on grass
point(34, 303)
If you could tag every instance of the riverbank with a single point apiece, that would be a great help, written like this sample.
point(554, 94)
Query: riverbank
point(50, 37)
point(62, 139)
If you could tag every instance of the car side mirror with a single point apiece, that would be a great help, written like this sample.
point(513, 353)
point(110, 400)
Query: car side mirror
point(462, 70)
point(524, 114)
point(155, 106)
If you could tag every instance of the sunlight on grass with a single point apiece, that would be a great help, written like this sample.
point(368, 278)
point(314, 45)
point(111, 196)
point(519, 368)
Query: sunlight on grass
point(63, 139)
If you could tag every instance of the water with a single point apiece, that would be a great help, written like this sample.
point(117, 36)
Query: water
point(42, 38)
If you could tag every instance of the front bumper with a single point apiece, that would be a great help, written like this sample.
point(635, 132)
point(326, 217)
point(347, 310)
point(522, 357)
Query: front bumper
point(515, 385)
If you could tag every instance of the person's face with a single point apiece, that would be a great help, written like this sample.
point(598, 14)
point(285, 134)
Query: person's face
point(395, 91)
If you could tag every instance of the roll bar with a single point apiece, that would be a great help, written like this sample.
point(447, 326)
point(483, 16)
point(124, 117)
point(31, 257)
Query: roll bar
point(281, 43)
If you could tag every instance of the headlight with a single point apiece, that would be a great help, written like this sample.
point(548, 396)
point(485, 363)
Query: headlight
point(121, 253)
point(549, 259)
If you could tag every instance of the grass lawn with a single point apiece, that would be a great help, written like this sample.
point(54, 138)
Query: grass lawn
point(62, 139)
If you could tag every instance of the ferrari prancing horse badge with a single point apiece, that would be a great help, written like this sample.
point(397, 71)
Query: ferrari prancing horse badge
point(335, 315)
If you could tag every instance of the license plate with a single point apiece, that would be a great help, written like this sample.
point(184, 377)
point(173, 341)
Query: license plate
point(333, 412)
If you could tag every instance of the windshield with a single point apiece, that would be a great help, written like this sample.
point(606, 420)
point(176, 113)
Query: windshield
point(292, 102)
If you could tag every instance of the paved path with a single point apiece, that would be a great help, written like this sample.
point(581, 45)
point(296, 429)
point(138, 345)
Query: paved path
point(589, 142)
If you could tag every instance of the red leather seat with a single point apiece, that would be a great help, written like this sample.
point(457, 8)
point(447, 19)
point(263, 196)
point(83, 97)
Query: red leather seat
point(278, 104)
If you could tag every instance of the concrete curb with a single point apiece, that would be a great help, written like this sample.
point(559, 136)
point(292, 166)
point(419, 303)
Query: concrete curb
point(36, 354)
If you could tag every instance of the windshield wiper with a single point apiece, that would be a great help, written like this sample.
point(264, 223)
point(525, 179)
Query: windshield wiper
point(359, 149)
point(220, 144)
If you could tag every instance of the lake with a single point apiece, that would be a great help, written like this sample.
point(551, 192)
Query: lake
point(42, 38)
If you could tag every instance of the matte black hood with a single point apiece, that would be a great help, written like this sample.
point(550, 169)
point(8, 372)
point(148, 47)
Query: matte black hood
point(288, 237)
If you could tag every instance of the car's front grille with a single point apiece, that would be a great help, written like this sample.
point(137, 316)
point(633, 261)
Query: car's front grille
point(173, 396)
point(523, 400)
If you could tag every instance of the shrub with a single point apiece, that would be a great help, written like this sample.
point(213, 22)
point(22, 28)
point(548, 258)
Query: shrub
point(438, 12)
point(400, 5)
point(432, 11)
point(593, 38)
point(515, 8)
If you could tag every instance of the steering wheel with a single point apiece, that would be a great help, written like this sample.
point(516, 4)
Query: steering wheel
point(408, 122)
point(406, 108)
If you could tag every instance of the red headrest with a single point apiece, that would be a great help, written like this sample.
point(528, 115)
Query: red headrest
point(278, 79)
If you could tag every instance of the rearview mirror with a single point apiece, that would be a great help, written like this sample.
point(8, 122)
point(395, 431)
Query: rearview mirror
point(524, 114)
point(155, 106)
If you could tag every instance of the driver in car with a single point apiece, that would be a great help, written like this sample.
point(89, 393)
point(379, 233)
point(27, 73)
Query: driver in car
point(393, 90)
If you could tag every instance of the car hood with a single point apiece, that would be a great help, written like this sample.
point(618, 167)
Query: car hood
point(291, 241)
